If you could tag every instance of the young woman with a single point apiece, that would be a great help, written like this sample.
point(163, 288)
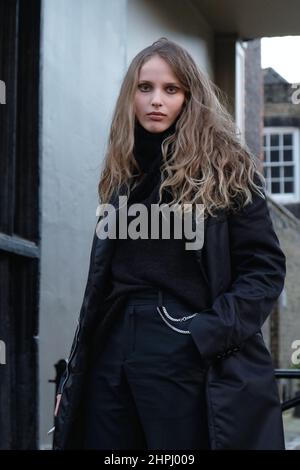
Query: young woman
point(168, 352)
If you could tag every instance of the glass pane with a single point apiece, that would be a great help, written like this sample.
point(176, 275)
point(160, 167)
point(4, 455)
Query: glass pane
point(274, 155)
point(265, 141)
point(287, 139)
point(274, 140)
point(288, 171)
point(275, 187)
point(287, 155)
point(275, 172)
point(265, 172)
point(288, 186)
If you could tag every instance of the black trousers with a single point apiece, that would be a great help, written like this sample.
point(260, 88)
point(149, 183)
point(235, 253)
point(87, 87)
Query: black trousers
point(146, 389)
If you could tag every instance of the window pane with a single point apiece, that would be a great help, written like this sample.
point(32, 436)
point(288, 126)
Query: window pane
point(274, 140)
point(275, 187)
point(274, 155)
point(275, 172)
point(265, 141)
point(288, 171)
point(287, 155)
point(288, 139)
point(288, 186)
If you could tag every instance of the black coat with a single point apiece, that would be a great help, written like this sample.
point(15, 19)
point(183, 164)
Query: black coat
point(244, 268)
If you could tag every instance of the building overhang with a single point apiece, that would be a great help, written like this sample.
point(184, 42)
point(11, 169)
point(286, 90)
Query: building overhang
point(250, 19)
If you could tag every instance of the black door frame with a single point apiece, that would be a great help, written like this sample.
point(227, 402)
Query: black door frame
point(19, 222)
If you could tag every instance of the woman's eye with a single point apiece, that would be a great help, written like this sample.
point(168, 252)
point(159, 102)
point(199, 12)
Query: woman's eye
point(143, 85)
point(173, 88)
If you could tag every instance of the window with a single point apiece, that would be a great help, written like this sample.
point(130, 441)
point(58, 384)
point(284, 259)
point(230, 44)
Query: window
point(281, 163)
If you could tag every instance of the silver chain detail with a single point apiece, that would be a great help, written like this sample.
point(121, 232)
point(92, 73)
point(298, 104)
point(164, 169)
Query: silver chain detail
point(178, 319)
point(186, 332)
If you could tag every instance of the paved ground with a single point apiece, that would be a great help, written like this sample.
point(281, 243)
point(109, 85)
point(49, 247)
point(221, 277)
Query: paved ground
point(291, 430)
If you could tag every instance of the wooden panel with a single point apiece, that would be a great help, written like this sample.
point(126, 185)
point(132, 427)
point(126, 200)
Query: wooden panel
point(26, 160)
point(8, 73)
point(19, 221)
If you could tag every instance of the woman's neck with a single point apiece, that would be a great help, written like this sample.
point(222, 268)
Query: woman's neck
point(147, 146)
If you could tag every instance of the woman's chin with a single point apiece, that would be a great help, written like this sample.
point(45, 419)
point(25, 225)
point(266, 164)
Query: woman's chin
point(155, 126)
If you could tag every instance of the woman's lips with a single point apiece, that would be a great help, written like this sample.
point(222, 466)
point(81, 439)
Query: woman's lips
point(156, 117)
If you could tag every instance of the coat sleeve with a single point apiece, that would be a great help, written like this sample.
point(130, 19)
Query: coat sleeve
point(92, 251)
point(258, 273)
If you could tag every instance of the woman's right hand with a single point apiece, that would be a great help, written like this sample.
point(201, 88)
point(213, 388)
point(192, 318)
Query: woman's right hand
point(58, 398)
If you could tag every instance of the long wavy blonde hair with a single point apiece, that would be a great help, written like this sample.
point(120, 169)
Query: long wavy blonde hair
point(208, 164)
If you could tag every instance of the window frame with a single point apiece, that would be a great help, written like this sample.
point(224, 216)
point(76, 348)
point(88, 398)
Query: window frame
point(295, 131)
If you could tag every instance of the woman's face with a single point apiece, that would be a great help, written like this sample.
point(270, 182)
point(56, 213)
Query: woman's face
point(159, 91)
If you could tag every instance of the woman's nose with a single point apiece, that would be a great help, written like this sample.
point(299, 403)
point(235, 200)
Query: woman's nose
point(156, 98)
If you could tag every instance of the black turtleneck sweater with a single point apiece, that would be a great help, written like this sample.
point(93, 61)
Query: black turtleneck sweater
point(143, 264)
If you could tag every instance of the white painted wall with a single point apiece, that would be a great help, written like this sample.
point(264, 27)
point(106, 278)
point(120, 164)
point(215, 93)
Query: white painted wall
point(178, 20)
point(83, 58)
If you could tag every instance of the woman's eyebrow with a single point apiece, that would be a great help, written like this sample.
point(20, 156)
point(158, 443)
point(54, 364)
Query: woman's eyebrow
point(167, 83)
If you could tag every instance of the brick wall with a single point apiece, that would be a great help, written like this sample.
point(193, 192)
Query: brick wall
point(287, 228)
